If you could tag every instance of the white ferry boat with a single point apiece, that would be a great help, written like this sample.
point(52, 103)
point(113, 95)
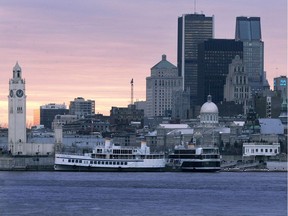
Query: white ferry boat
point(194, 159)
point(110, 157)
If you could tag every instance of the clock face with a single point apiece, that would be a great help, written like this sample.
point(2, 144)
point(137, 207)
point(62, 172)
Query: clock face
point(19, 93)
point(11, 93)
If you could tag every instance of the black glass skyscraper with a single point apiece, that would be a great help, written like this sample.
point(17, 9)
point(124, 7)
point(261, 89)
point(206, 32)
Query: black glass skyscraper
point(214, 57)
point(192, 30)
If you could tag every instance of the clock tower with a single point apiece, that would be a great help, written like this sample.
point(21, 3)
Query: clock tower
point(17, 112)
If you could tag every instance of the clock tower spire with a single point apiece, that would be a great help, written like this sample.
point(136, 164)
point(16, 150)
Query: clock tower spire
point(17, 112)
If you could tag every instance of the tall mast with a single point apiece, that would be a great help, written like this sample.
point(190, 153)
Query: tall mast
point(131, 91)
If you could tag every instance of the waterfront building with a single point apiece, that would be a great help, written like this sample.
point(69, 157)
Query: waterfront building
point(88, 125)
point(17, 111)
point(214, 57)
point(268, 104)
point(49, 111)
point(181, 104)
point(125, 139)
point(262, 150)
point(82, 107)
point(141, 105)
point(166, 138)
point(63, 119)
point(192, 30)
point(122, 117)
point(248, 30)
point(236, 87)
point(17, 137)
point(209, 113)
point(164, 80)
point(208, 132)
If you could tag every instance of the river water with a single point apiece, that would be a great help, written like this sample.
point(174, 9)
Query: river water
point(199, 194)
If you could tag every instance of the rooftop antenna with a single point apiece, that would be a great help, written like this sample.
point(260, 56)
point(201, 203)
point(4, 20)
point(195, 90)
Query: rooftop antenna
point(195, 6)
point(131, 83)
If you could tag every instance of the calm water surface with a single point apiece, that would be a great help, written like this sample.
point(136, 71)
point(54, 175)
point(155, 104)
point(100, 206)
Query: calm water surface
point(68, 193)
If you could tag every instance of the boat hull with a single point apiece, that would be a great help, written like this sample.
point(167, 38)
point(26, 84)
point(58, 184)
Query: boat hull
point(87, 164)
point(107, 169)
point(196, 165)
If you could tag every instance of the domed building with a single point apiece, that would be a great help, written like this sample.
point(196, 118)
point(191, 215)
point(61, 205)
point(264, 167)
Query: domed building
point(207, 132)
point(209, 112)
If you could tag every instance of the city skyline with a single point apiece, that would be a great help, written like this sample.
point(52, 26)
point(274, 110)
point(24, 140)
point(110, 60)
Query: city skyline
point(71, 50)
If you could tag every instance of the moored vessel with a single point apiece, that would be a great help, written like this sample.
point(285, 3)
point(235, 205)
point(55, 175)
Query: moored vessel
point(111, 157)
point(194, 159)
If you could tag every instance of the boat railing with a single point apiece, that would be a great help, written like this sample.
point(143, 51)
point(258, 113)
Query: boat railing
point(69, 153)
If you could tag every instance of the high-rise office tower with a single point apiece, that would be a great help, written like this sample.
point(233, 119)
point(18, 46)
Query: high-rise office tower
point(164, 80)
point(248, 30)
point(82, 107)
point(192, 30)
point(214, 57)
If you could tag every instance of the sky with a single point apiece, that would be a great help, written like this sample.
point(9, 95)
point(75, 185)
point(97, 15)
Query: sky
point(93, 48)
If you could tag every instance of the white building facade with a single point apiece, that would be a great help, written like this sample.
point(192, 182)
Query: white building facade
point(164, 80)
point(261, 149)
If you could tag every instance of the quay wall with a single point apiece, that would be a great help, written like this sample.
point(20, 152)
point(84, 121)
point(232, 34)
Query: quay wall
point(27, 163)
point(277, 165)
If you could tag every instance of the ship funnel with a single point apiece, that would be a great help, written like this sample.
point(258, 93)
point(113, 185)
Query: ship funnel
point(144, 147)
point(199, 151)
point(107, 143)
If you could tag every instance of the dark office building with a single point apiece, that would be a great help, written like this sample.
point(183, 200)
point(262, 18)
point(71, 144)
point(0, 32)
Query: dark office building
point(214, 57)
point(248, 30)
point(49, 111)
point(192, 30)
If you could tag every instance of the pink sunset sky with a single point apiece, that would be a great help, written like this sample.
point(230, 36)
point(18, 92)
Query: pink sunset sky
point(93, 48)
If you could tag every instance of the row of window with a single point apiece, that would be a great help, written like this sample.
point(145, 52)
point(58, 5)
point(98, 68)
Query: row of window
point(209, 117)
point(167, 82)
point(98, 162)
point(261, 150)
point(241, 80)
point(241, 89)
point(239, 69)
point(237, 95)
